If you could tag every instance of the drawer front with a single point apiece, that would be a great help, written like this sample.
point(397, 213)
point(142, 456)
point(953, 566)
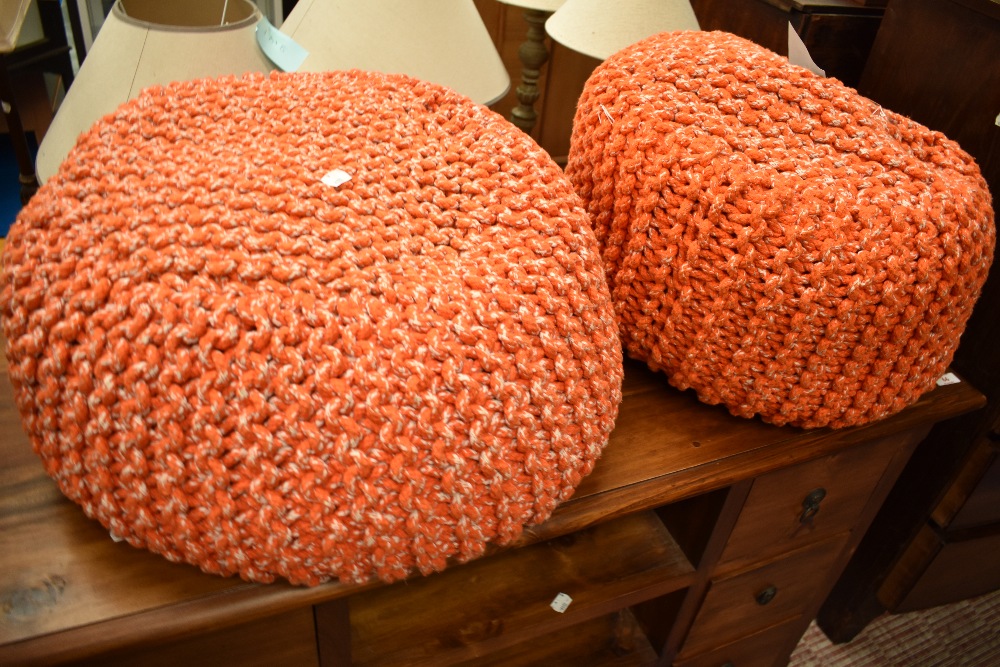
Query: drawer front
point(764, 649)
point(743, 604)
point(809, 502)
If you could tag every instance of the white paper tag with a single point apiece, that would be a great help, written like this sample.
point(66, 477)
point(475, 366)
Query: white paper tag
point(947, 379)
point(280, 49)
point(997, 121)
point(561, 602)
point(799, 55)
point(336, 178)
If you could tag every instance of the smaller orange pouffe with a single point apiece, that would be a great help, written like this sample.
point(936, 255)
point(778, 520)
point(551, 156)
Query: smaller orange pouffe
point(772, 239)
point(312, 326)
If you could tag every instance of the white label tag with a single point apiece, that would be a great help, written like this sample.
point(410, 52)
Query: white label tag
point(798, 53)
point(280, 49)
point(947, 379)
point(336, 178)
point(561, 602)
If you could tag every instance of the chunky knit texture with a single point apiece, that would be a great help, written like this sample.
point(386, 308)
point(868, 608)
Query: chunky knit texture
point(772, 239)
point(229, 362)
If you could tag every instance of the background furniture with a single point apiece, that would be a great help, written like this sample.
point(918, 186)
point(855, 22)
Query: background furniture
point(22, 64)
point(699, 538)
point(936, 539)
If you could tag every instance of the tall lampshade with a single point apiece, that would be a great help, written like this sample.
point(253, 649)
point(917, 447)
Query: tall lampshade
point(148, 42)
point(598, 28)
point(442, 41)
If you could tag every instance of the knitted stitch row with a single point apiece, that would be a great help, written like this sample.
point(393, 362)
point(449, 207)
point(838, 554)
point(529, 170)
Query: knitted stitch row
point(229, 356)
point(772, 239)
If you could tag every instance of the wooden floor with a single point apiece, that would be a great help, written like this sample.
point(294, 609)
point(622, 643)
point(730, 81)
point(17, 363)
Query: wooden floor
point(964, 634)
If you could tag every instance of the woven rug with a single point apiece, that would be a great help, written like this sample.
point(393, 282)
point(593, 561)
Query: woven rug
point(964, 634)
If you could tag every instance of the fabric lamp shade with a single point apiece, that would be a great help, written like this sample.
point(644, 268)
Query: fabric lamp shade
point(598, 28)
point(144, 43)
point(441, 41)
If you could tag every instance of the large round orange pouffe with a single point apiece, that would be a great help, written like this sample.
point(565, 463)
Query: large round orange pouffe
point(772, 239)
point(311, 326)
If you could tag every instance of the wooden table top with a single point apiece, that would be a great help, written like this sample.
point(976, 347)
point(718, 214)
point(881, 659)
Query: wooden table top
point(68, 590)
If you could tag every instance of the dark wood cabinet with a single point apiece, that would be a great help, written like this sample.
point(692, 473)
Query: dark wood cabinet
point(935, 540)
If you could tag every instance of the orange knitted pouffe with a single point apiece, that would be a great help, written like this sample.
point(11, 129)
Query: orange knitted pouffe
point(311, 326)
point(772, 239)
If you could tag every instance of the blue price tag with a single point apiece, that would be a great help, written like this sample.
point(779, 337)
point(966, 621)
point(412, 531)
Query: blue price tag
point(280, 49)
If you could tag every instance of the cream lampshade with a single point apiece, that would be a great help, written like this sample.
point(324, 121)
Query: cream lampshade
point(148, 42)
point(598, 28)
point(442, 41)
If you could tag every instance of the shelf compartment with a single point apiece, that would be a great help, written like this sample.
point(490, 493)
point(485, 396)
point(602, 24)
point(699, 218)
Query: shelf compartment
point(498, 601)
point(613, 640)
point(691, 521)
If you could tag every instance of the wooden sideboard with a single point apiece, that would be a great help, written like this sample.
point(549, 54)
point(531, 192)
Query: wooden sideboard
point(699, 539)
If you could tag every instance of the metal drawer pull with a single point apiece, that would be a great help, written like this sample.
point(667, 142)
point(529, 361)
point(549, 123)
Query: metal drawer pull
point(810, 505)
point(766, 595)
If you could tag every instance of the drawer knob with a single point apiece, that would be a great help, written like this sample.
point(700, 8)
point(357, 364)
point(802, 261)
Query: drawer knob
point(810, 505)
point(766, 595)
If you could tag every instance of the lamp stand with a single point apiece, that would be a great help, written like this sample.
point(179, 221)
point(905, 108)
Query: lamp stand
point(533, 53)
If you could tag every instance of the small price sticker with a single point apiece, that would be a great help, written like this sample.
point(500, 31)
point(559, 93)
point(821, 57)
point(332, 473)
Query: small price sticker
point(336, 178)
point(947, 379)
point(561, 602)
point(280, 49)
